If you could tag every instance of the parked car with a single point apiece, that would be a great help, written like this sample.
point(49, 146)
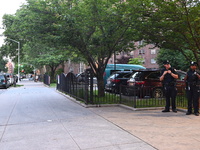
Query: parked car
point(81, 78)
point(117, 79)
point(147, 83)
point(111, 68)
point(3, 81)
point(10, 78)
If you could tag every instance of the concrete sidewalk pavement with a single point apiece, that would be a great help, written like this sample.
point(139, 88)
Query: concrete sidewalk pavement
point(164, 131)
point(34, 117)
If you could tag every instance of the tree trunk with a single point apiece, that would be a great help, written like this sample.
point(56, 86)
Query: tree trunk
point(100, 83)
point(52, 74)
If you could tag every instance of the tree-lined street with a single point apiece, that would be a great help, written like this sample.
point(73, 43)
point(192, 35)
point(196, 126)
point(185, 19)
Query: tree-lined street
point(53, 32)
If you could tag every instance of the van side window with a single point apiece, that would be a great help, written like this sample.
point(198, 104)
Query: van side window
point(153, 75)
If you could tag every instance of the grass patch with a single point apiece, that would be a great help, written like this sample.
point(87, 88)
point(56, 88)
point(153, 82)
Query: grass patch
point(111, 98)
point(53, 85)
point(17, 85)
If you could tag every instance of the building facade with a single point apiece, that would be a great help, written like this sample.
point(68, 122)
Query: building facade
point(148, 53)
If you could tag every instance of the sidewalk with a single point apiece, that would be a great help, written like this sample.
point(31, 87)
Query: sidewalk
point(36, 117)
point(164, 131)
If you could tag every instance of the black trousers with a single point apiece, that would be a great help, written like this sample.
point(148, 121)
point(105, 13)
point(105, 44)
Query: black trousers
point(170, 94)
point(193, 98)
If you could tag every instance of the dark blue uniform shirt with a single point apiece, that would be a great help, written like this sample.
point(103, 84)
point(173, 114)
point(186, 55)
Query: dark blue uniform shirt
point(168, 77)
point(191, 77)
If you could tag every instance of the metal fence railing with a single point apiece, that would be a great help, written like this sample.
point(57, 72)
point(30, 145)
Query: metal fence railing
point(87, 92)
point(46, 79)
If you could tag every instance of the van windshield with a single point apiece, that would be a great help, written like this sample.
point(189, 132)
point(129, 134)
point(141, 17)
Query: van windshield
point(137, 76)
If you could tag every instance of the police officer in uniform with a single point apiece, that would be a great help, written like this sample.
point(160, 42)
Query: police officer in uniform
point(168, 78)
point(192, 89)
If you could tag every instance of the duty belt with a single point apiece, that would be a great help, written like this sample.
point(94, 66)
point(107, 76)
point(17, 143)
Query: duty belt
point(170, 84)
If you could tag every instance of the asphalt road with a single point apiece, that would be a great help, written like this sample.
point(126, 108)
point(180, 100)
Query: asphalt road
point(35, 117)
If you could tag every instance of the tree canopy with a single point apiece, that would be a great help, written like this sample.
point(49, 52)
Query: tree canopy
point(171, 24)
point(54, 31)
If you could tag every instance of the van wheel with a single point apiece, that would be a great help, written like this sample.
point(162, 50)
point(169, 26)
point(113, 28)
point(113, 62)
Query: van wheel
point(157, 93)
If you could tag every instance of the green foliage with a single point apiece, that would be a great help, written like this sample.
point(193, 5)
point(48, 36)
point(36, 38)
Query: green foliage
point(24, 68)
point(3, 63)
point(137, 61)
point(171, 24)
point(59, 71)
point(53, 31)
point(176, 58)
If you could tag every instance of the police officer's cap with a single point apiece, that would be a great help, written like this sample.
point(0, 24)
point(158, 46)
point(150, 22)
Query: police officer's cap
point(166, 62)
point(192, 63)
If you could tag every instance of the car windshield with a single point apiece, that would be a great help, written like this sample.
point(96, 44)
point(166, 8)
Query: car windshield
point(120, 75)
point(154, 75)
point(114, 76)
point(137, 76)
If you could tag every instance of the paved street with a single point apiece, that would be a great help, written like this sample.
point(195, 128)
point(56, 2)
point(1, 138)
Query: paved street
point(35, 117)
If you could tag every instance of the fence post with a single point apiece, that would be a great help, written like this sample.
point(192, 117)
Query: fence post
point(134, 100)
point(86, 87)
point(91, 86)
point(49, 80)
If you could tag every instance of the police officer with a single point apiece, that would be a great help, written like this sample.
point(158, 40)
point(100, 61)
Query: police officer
point(168, 78)
point(192, 89)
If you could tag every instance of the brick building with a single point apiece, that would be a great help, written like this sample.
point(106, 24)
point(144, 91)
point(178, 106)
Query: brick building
point(148, 53)
point(10, 67)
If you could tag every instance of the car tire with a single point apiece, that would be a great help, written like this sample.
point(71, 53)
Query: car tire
point(157, 93)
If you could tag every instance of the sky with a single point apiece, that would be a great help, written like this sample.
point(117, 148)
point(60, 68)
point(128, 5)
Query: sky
point(8, 7)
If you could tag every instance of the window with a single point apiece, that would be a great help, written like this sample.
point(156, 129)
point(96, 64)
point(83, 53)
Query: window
point(154, 75)
point(140, 42)
point(153, 51)
point(153, 61)
point(132, 53)
point(141, 52)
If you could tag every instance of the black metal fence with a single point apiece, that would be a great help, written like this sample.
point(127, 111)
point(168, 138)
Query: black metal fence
point(86, 90)
point(46, 79)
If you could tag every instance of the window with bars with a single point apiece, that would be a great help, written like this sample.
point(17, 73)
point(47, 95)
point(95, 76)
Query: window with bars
point(153, 61)
point(141, 52)
point(153, 51)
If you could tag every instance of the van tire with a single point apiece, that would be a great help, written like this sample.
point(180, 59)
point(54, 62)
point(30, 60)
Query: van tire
point(157, 93)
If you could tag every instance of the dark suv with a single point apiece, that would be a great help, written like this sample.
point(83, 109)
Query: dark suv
point(3, 81)
point(146, 83)
point(117, 79)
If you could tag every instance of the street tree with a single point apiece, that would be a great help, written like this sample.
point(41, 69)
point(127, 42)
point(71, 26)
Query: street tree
point(138, 60)
point(33, 24)
point(3, 63)
point(170, 24)
point(96, 29)
point(177, 60)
